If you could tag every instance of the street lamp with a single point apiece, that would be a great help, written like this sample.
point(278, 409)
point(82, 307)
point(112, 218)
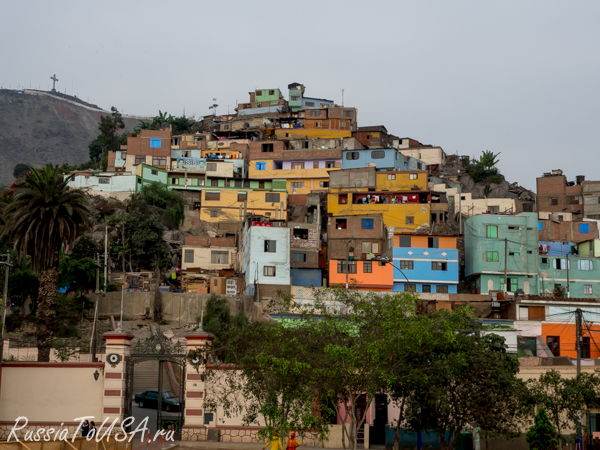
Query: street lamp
point(386, 260)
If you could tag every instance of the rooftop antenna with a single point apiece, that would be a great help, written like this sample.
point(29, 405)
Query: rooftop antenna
point(342, 97)
point(54, 80)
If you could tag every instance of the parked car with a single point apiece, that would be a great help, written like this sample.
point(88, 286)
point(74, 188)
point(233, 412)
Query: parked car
point(149, 399)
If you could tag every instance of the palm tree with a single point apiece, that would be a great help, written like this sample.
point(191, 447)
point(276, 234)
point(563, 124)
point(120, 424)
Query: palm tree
point(43, 216)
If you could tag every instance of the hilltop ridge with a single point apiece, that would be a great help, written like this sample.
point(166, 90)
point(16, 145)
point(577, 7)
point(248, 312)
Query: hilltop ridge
point(39, 127)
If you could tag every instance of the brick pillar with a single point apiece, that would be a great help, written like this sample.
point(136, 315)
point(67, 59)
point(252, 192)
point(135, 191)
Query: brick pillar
point(194, 429)
point(117, 342)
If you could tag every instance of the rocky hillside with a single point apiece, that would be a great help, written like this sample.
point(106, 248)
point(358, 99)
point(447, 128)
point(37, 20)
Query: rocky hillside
point(42, 127)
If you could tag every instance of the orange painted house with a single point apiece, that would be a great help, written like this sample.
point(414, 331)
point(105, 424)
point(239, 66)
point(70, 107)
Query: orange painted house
point(368, 275)
point(561, 339)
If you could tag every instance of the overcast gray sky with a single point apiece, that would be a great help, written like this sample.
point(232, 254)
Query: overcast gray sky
point(517, 77)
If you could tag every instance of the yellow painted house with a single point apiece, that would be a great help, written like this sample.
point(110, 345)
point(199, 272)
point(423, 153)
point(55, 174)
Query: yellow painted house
point(404, 217)
point(302, 177)
point(401, 197)
point(225, 205)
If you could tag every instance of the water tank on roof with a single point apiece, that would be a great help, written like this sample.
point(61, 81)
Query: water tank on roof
point(371, 164)
point(580, 179)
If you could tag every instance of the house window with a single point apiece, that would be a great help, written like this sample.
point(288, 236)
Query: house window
point(426, 288)
point(587, 289)
point(346, 266)
point(554, 201)
point(433, 242)
point(155, 143)
point(212, 195)
point(140, 159)
point(407, 265)
point(408, 287)
point(492, 231)
point(340, 224)
point(271, 92)
point(175, 181)
point(352, 155)
point(342, 199)
point(270, 246)
point(297, 184)
point(323, 184)
point(584, 227)
point(318, 124)
point(513, 284)
point(154, 172)
point(267, 148)
point(261, 166)
point(300, 233)
point(370, 247)
point(553, 343)
point(219, 257)
point(299, 256)
point(104, 180)
point(242, 196)
point(514, 254)
point(512, 227)
point(294, 98)
point(585, 347)
point(494, 209)
point(269, 271)
point(258, 93)
point(315, 164)
point(585, 264)
point(413, 176)
point(211, 167)
point(297, 165)
point(561, 263)
point(342, 124)
point(214, 182)
point(189, 256)
point(492, 257)
point(347, 113)
point(410, 220)
point(214, 213)
point(367, 267)
point(329, 164)
point(159, 161)
point(366, 224)
point(309, 103)
point(304, 144)
point(438, 265)
point(441, 289)
point(378, 154)
point(271, 197)
point(314, 113)
point(405, 241)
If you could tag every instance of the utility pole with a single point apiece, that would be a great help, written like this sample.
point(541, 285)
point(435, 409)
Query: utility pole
point(105, 254)
point(7, 266)
point(460, 230)
point(505, 265)
point(578, 333)
point(568, 284)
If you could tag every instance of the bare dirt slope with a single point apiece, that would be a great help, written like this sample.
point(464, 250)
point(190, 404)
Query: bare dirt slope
point(42, 127)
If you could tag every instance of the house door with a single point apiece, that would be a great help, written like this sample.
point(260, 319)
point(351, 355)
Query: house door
point(377, 431)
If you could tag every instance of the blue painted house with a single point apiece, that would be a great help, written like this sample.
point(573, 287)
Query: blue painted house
point(427, 264)
point(383, 158)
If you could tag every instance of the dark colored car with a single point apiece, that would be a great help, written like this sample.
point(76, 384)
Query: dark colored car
point(149, 399)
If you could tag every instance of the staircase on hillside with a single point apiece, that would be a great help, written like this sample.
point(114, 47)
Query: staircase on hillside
point(145, 376)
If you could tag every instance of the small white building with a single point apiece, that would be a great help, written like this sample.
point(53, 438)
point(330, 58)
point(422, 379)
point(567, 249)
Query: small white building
point(266, 258)
point(119, 185)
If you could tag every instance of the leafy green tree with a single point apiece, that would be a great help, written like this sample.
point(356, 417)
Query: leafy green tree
point(109, 129)
point(43, 216)
point(541, 435)
point(20, 170)
point(144, 234)
point(489, 159)
point(96, 149)
point(156, 194)
point(23, 284)
point(564, 398)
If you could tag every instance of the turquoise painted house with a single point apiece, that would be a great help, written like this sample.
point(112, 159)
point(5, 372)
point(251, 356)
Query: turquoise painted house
point(498, 243)
point(578, 275)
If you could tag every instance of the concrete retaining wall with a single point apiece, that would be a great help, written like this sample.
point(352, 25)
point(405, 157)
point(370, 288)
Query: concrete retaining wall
point(177, 308)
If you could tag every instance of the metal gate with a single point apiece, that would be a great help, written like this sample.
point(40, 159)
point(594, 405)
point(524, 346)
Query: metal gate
point(170, 408)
